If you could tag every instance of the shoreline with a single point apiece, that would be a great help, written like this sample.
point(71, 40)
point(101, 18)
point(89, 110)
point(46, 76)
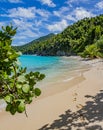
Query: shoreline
point(63, 85)
point(47, 112)
point(75, 76)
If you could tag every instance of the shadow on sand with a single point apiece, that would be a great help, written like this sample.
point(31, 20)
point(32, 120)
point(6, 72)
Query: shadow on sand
point(84, 119)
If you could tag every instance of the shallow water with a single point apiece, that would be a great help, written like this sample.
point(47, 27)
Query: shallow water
point(55, 68)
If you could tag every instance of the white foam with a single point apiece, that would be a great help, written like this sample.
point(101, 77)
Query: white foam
point(66, 80)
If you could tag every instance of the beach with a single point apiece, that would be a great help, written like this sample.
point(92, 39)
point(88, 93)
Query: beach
point(76, 104)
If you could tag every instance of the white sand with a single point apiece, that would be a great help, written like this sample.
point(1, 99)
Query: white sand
point(77, 106)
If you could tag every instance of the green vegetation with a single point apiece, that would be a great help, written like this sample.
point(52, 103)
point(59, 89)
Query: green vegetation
point(16, 86)
point(94, 50)
point(84, 38)
point(81, 37)
point(29, 47)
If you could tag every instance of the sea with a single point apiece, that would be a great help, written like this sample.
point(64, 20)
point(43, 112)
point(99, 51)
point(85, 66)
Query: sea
point(55, 68)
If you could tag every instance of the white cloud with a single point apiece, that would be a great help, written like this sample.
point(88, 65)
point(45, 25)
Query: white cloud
point(74, 15)
point(28, 20)
point(48, 2)
point(57, 13)
point(70, 1)
point(26, 36)
point(64, 9)
point(75, 1)
point(38, 23)
point(27, 33)
point(100, 5)
point(22, 24)
point(70, 17)
point(22, 12)
point(61, 11)
point(30, 33)
point(26, 30)
point(43, 13)
point(81, 13)
point(27, 13)
point(58, 26)
point(64, 13)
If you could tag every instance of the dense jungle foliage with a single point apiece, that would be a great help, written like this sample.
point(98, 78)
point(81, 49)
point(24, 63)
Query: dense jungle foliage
point(84, 38)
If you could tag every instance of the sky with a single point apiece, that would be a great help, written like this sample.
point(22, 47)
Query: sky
point(36, 18)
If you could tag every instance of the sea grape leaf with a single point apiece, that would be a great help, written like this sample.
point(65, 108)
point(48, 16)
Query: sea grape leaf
point(8, 98)
point(8, 107)
point(16, 85)
point(37, 91)
point(21, 107)
point(26, 88)
point(13, 110)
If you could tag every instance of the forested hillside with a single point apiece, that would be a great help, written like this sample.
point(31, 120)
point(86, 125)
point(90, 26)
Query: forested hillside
point(84, 37)
point(29, 47)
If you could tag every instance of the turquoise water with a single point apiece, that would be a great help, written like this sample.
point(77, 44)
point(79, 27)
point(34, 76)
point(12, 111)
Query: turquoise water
point(52, 67)
point(38, 63)
point(56, 69)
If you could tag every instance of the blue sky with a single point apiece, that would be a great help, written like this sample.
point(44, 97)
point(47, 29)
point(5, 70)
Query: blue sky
point(36, 18)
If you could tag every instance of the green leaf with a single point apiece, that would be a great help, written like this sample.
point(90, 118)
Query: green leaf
point(8, 98)
point(6, 60)
point(30, 99)
point(8, 107)
point(18, 86)
point(21, 78)
point(21, 107)
point(19, 53)
point(32, 82)
point(8, 28)
point(26, 88)
point(42, 76)
point(37, 91)
point(13, 110)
